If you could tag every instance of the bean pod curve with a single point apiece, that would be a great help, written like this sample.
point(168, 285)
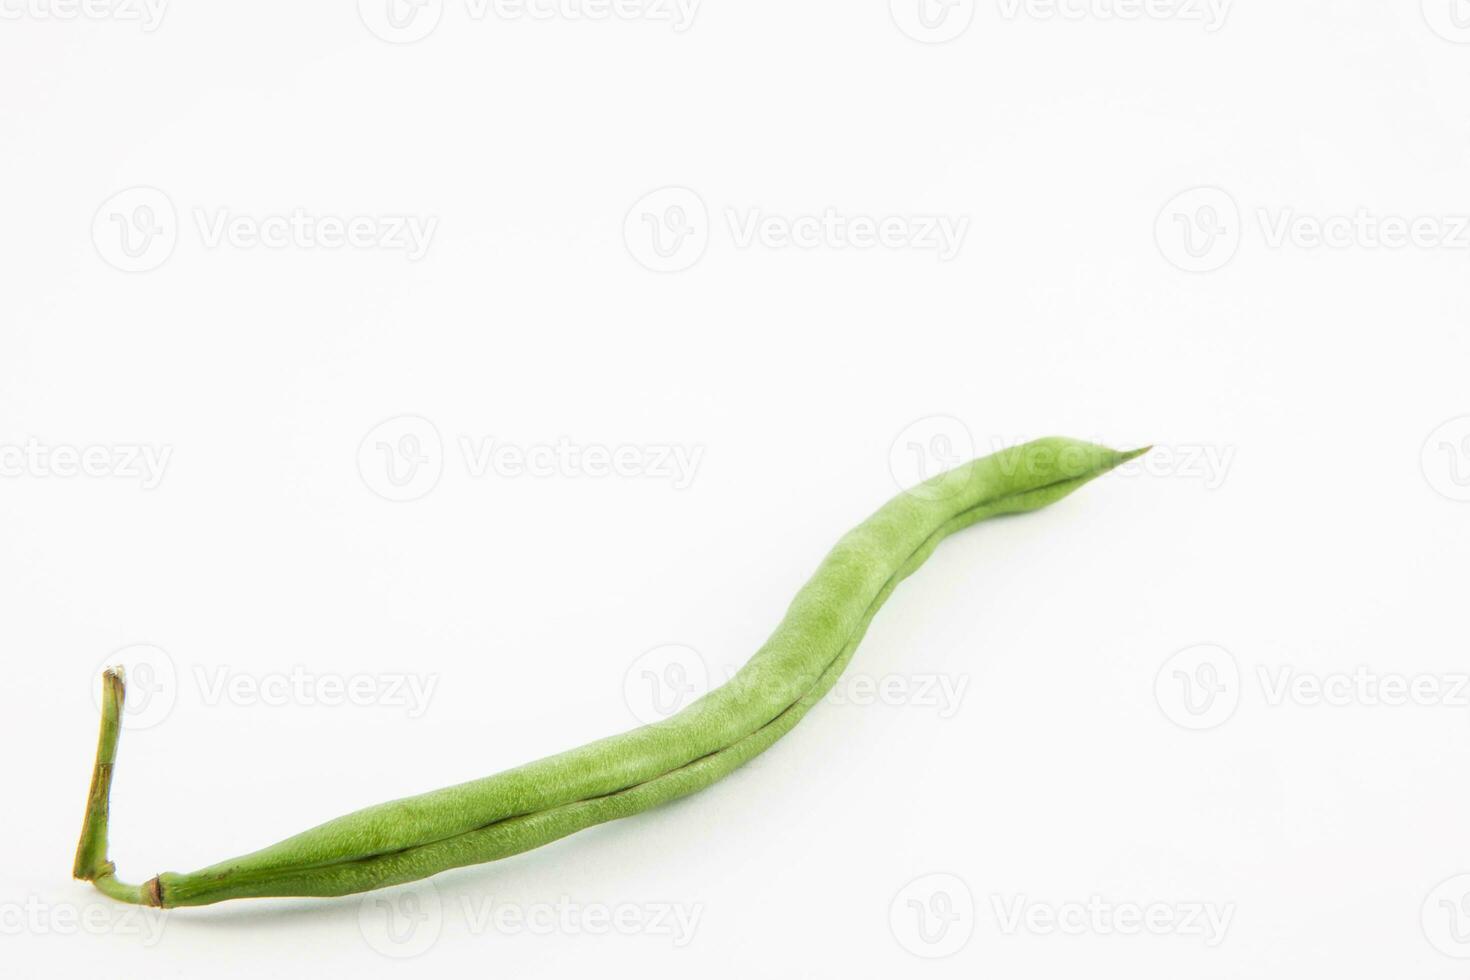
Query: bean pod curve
point(519, 809)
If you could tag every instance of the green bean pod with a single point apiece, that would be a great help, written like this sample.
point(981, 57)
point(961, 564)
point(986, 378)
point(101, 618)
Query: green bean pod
point(522, 808)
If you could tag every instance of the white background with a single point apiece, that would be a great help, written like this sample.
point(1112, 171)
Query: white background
point(1093, 160)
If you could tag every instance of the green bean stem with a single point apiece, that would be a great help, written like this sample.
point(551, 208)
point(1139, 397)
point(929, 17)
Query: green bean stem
point(523, 808)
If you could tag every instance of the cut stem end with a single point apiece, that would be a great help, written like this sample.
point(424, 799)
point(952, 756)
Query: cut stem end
point(91, 861)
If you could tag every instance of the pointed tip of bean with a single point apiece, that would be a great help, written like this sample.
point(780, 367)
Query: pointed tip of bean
point(1135, 453)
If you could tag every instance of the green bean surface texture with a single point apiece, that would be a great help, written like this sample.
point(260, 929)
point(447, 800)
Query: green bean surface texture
point(542, 801)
